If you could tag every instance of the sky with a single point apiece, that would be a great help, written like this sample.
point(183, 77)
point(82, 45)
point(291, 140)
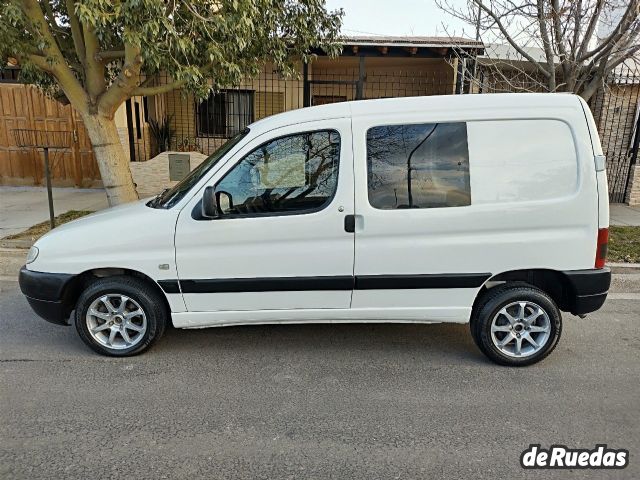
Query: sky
point(398, 17)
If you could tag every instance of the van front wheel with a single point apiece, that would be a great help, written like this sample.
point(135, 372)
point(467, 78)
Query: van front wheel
point(120, 316)
point(516, 325)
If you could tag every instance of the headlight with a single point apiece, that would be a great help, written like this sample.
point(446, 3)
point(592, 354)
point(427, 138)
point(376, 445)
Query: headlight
point(33, 254)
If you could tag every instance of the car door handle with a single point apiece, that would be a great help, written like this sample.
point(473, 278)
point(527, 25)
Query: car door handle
point(350, 223)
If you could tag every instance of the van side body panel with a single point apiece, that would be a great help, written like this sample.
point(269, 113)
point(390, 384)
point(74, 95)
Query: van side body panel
point(601, 173)
point(557, 233)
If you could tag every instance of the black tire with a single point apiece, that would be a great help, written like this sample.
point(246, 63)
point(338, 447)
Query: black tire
point(149, 300)
point(493, 301)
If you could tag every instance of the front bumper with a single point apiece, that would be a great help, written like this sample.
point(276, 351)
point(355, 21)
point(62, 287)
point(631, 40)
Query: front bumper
point(45, 293)
point(590, 288)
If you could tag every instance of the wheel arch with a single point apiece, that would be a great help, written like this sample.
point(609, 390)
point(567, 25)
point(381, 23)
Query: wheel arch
point(79, 283)
point(554, 283)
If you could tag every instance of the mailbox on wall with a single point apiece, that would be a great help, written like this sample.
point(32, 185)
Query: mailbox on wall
point(179, 166)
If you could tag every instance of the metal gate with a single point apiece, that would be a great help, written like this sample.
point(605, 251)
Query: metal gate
point(617, 112)
point(24, 106)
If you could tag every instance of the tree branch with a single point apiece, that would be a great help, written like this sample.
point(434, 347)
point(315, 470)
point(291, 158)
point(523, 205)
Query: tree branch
point(603, 49)
point(126, 82)
point(39, 61)
point(546, 44)
point(158, 89)
point(560, 38)
point(618, 59)
point(94, 68)
point(76, 32)
point(58, 66)
point(508, 37)
point(109, 55)
point(594, 83)
point(49, 13)
point(591, 28)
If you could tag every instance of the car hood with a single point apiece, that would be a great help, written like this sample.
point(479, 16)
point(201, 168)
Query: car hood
point(116, 237)
point(119, 213)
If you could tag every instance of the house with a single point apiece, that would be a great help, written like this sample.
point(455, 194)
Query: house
point(501, 68)
point(369, 67)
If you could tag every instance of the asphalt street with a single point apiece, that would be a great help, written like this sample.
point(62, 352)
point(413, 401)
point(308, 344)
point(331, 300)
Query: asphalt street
point(313, 401)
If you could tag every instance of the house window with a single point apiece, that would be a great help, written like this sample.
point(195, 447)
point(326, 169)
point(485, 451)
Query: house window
point(225, 113)
point(418, 166)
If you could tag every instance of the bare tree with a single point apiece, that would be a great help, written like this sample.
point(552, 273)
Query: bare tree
point(556, 42)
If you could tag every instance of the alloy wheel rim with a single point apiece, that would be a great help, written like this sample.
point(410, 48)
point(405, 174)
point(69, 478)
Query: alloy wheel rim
point(520, 329)
point(116, 321)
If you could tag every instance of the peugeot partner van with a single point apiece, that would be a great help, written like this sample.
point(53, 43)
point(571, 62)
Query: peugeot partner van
point(483, 209)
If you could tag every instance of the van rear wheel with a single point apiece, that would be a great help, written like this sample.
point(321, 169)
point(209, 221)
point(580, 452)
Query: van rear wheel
point(120, 316)
point(516, 325)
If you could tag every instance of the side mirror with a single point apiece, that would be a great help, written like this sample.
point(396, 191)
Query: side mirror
point(224, 201)
point(209, 203)
point(214, 204)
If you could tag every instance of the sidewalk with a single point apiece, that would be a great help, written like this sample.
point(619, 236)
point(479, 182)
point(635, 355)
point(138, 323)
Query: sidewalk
point(22, 207)
point(624, 215)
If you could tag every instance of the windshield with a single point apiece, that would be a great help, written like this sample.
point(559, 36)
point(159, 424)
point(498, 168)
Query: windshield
point(171, 196)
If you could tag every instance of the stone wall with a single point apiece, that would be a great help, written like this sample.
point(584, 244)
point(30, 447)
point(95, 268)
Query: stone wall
point(152, 176)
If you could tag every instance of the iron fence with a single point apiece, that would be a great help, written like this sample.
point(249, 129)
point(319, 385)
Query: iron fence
point(203, 125)
point(616, 109)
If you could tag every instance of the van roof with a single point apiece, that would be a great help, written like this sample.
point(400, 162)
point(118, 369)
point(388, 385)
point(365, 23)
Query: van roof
point(412, 104)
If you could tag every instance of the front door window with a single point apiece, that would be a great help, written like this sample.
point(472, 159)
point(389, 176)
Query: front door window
point(289, 175)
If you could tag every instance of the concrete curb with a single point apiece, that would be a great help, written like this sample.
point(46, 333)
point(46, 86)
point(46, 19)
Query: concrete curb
point(16, 244)
point(624, 268)
point(11, 259)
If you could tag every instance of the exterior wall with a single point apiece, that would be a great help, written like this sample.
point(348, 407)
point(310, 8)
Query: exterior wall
point(121, 124)
point(180, 107)
point(385, 77)
point(143, 143)
point(633, 194)
point(497, 77)
point(152, 177)
point(272, 94)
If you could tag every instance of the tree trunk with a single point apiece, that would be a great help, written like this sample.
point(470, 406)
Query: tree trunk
point(112, 161)
point(591, 88)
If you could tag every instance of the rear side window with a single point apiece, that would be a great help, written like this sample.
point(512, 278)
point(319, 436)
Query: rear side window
point(521, 160)
point(418, 166)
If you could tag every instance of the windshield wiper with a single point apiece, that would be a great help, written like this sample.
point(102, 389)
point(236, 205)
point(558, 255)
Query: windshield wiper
point(156, 200)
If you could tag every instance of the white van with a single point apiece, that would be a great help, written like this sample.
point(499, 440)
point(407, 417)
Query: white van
point(488, 209)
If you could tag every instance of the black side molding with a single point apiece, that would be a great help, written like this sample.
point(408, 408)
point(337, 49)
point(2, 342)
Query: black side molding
point(344, 282)
point(273, 284)
point(169, 286)
point(445, 280)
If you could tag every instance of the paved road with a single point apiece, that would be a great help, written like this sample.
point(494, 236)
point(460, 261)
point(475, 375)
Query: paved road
point(318, 401)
